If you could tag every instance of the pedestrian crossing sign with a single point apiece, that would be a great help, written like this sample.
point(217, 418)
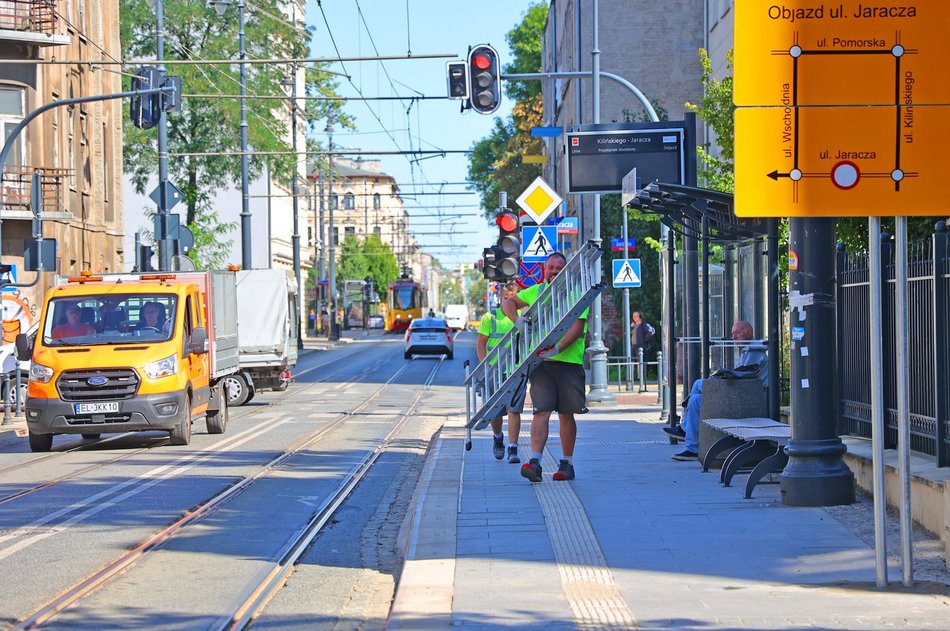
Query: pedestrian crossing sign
point(626, 273)
point(538, 243)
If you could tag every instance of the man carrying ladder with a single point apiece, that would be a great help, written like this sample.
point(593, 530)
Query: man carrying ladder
point(557, 384)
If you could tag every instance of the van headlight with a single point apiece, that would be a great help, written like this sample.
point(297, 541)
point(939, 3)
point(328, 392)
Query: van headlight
point(40, 373)
point(162, 368)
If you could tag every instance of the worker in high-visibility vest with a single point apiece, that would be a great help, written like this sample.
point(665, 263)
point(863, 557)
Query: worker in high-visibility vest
point(493, 327)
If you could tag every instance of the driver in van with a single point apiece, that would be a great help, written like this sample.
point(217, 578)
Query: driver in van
point(153, 317)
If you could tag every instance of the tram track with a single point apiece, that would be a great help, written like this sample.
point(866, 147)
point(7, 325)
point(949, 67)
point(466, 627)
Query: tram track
point(287, 394)
point(263, 586)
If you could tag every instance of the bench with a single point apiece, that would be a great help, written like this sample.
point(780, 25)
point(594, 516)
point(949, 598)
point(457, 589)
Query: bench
point(748, 440)
point(728, 399)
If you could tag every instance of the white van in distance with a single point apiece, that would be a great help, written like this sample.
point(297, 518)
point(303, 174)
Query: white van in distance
point(456, 316)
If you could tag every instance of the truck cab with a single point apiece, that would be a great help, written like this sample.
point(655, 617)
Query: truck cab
point(123, 354)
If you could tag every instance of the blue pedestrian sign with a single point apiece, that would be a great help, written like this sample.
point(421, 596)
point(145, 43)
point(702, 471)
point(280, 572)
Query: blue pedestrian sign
point(538, 243)
point(626, 273)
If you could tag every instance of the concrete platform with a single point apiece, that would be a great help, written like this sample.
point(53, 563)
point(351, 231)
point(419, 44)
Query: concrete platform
point(636, 541)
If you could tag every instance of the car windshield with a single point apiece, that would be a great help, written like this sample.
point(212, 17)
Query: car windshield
point(109, 319)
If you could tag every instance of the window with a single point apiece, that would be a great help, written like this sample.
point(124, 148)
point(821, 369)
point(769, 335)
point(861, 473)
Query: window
point(11, 113)
point(334, 202)
point(377, 230)
point(349, 230)
point(349, 202)
point(376, 202)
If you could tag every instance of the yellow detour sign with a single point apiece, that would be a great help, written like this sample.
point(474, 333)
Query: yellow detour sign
point(539, 200)
point(841, 106)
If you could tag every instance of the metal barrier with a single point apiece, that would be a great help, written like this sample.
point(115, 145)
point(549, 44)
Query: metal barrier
point(633, 374)
point(928, 280)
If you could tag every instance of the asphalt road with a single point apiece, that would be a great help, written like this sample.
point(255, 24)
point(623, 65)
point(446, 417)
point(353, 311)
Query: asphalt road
point(65, 516)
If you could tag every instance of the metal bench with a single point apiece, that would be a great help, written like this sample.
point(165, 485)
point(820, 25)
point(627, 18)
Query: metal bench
point(748, 440)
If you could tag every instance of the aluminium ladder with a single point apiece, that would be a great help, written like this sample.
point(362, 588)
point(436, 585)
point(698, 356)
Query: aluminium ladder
point(499, 379)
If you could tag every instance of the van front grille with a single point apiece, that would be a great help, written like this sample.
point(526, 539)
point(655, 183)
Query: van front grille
point(121, 383)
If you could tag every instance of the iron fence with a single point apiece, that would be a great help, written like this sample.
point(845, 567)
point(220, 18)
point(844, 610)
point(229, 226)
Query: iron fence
point(928, 279)
point(37, 16)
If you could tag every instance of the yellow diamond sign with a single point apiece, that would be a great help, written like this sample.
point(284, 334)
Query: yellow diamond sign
point(539, 200)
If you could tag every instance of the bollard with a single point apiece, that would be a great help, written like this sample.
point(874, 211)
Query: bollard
point(659, 377)
point(18, 409)
point(7, 417)
point(640, 369)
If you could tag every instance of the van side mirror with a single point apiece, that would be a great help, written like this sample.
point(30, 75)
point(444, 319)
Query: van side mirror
point(198, 344)
point(24, 350)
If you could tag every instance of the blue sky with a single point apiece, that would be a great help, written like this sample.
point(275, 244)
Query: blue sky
point(432, 27)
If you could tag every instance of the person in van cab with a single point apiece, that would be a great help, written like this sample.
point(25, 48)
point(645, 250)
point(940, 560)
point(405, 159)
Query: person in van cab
point(153, 318)
point(72, 326)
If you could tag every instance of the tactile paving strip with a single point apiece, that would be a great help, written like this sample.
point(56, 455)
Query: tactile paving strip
point(587, 581)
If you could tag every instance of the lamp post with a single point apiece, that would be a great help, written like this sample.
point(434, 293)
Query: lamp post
point(334, 332)
point(221, 6)
point(289, 84)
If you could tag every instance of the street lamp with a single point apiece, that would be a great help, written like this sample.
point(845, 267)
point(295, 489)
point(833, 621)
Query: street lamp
point(289, 85)
point(221, 6)
point(334, 332)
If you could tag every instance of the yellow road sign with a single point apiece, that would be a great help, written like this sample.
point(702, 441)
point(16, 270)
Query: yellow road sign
point(539, 200)
point(857, 161)
point(846, 52)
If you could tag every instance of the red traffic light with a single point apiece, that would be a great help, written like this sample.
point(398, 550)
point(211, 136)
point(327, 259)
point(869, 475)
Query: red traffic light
point(507, 221)
point(482, 62)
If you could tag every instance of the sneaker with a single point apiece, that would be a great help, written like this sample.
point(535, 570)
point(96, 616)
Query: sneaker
point(531, 470)
point(675, 432)
point(513, 454)
point(498, 448)
point(686, 455)
point(565, 471)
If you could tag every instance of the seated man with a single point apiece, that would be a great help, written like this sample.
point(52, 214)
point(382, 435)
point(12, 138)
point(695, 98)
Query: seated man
point(73, 326)
point(753, 358)
point(153, 318)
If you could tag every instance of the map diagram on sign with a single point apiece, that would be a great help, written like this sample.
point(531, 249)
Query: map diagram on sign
point(842, 108)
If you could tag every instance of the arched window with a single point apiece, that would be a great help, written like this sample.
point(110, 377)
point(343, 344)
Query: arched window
point(376, 202)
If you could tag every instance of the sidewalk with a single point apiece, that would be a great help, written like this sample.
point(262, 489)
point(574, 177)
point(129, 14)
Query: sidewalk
point(636, 541)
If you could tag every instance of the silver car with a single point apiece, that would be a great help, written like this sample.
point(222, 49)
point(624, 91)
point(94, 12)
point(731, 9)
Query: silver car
point(429, 336)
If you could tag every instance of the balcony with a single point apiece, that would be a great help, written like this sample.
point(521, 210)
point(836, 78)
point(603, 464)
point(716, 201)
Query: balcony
point(15, 191)
point(31, 22)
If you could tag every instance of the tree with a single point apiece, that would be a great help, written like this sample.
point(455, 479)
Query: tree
point(193, 32)
point(495, 164)
point(381, 264)
point(352, 264)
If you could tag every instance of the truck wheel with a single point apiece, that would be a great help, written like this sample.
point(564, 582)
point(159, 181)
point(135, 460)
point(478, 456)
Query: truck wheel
point(181, 434)
point(238, 390)
point(41, 442)
point(217, 421)
point(91, 436)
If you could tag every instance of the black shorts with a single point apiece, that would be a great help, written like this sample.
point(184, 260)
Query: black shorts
point(558, 386)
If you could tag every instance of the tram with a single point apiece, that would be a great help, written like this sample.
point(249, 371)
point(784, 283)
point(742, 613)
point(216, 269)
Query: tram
point(406, 301)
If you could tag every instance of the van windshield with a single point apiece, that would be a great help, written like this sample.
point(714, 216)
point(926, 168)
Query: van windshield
point(109, 319)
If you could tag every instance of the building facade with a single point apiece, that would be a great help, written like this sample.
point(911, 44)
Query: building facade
point(77, 149)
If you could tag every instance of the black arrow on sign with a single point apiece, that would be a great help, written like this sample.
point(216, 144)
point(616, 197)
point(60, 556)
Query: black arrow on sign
point(776, 175)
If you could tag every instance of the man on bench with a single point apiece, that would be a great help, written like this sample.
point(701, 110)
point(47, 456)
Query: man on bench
point(752, 364)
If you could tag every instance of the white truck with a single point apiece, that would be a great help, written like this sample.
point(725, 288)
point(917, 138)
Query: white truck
point(456, 316)
point(268, 333)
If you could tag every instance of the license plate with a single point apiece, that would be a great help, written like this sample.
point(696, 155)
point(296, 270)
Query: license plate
point(428, 338)
point(97, 408)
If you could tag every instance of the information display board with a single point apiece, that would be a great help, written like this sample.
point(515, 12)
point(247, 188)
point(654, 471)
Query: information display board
point(599, 156)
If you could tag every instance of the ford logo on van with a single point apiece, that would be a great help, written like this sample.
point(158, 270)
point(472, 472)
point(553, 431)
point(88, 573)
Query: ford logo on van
point(97, 381)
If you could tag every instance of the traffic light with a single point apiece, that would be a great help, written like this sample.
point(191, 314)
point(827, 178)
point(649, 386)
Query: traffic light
point(488, 263)
point(508, 247)
point(145, 258)
point(145, 111)
point(457, 72)
point(484, 73)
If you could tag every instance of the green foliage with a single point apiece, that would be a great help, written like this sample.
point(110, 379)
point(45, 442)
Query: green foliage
point(194, 31)
point(372, 258)
point(641, 116)
point(717, 110)
point(211, 247)
point(524, 40)
point(450, 293)
point(476, 294)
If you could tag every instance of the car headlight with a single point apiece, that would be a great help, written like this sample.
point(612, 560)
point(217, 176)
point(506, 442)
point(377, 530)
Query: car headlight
point(40, 373)
point(162, 368)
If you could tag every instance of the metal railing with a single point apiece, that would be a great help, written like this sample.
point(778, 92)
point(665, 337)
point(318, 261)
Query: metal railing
point(633, 376)
point(15, 190)
point(928, 279)
point(37, 16)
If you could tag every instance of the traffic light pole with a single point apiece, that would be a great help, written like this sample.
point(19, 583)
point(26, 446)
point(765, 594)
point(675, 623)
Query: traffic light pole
point(164, 251)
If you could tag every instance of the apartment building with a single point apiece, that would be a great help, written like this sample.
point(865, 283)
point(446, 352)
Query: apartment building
point(77, 150)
